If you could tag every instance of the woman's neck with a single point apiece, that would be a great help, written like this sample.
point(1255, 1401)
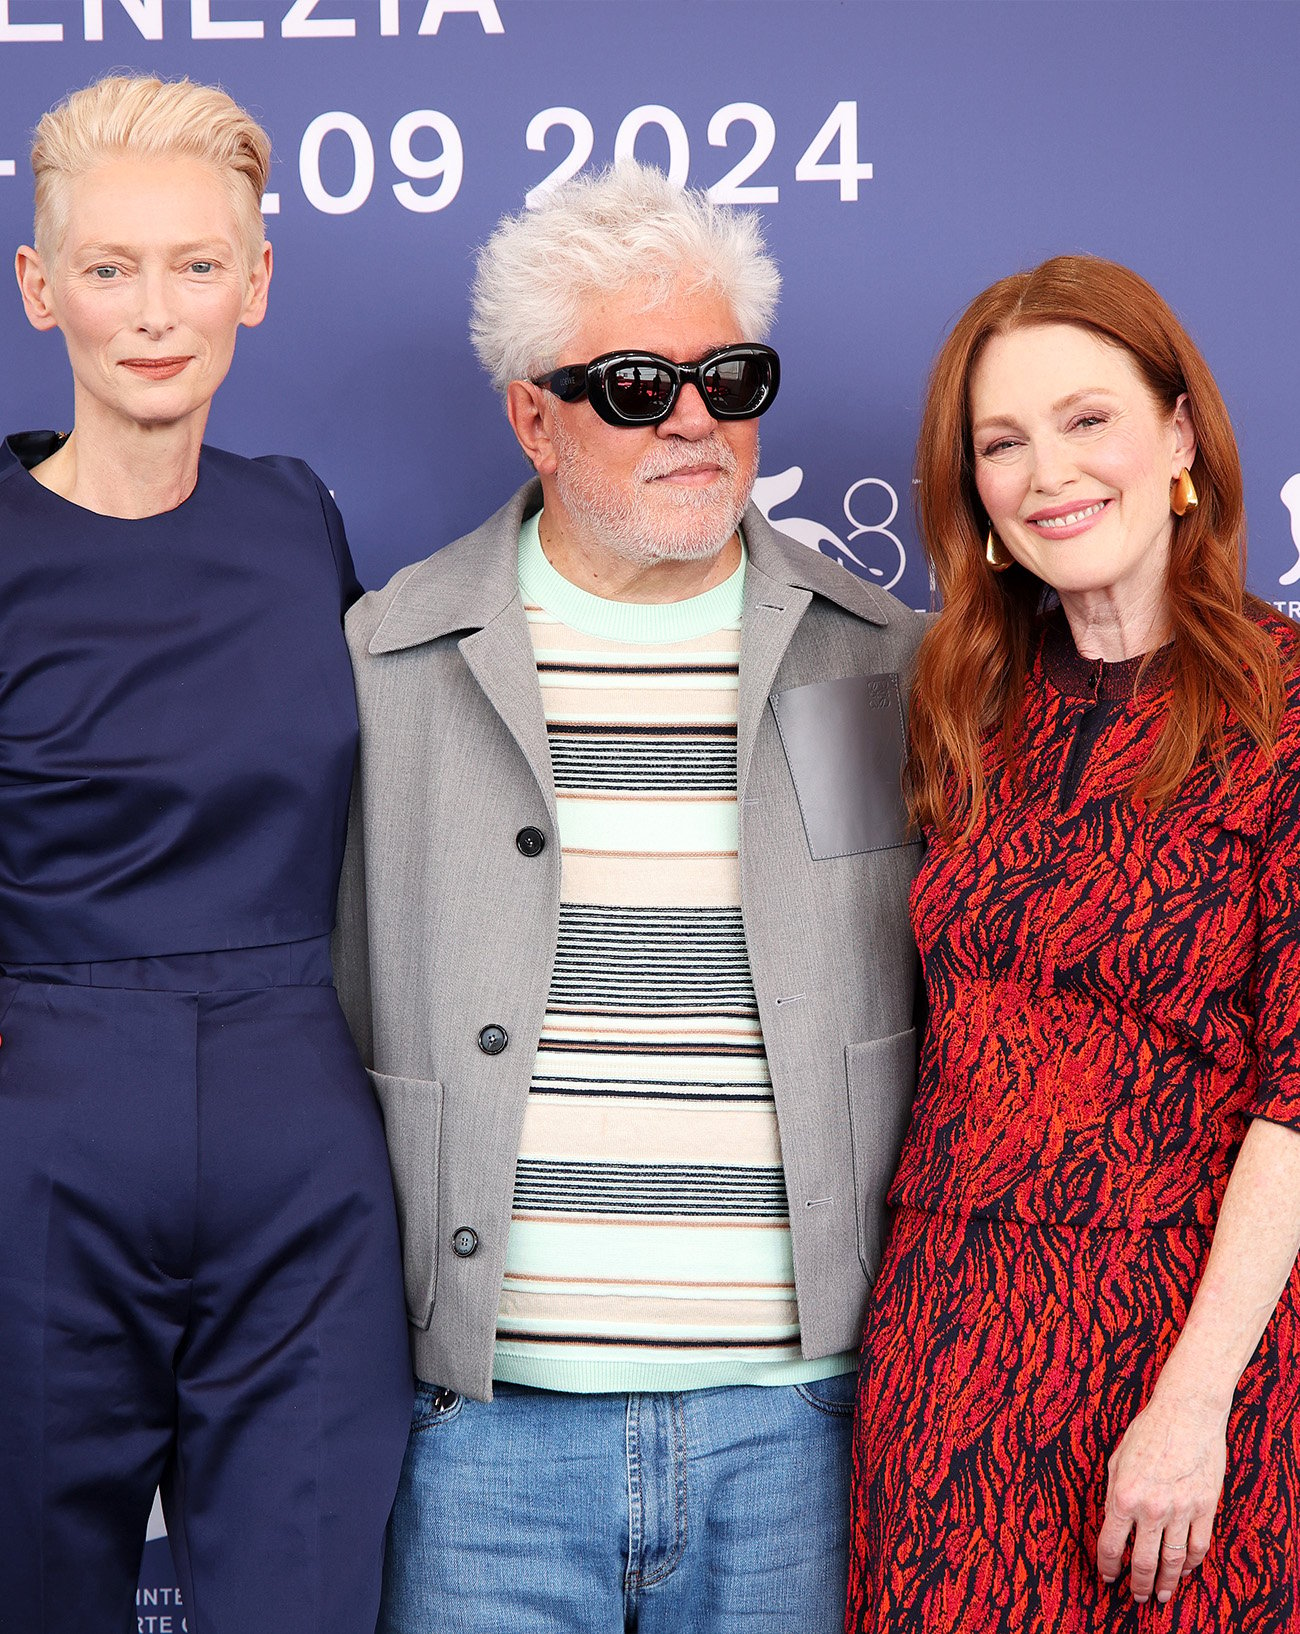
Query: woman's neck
point(134, 471)
point(1114, 629)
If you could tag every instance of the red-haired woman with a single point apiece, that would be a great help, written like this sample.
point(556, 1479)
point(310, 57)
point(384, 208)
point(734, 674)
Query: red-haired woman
point(1089, 1308)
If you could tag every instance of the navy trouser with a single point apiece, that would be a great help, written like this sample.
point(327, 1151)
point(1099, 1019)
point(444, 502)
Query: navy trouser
point(200, 1286)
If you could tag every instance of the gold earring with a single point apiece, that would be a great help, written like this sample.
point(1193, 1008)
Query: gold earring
point(1182, 497)
point(995, 552)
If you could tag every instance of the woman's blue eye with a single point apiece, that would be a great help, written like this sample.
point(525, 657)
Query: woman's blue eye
point(200, 266)
point(105, 273)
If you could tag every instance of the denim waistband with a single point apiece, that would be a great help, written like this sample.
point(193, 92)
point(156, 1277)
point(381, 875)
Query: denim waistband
point(224, 970)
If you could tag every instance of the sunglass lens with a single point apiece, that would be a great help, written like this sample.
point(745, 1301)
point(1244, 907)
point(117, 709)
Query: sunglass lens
point(639, 391)
point(734, 385)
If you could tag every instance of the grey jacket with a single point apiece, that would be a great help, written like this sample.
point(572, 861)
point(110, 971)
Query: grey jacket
point(446, 928)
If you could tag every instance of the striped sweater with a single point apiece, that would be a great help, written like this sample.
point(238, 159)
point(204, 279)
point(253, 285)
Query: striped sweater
point(649, 1243)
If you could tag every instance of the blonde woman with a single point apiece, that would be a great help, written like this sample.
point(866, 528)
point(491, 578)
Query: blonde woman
point(199, 1280)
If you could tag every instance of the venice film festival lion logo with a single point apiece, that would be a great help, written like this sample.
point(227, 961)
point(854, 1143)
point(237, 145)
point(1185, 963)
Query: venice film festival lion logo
point(869, 548)
point(1290, 497)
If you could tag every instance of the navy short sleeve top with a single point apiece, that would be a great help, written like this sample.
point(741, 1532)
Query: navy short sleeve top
point(177, 720)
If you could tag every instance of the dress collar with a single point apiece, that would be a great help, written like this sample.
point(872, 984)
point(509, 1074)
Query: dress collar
point(1079, 677)
point(28, 448)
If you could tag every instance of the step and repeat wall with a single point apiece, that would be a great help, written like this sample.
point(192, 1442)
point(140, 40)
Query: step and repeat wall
point(902, 153)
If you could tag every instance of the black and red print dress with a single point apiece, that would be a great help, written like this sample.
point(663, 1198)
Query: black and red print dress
point(1114, 993)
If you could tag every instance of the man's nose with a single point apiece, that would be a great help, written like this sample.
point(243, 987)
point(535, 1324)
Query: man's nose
point(689, 418)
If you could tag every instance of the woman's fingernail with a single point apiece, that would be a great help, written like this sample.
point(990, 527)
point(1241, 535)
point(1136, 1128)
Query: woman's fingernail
point(1164, 1595)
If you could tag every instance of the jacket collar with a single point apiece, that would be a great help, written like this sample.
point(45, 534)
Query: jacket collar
point(470, 583)
point(462, 587)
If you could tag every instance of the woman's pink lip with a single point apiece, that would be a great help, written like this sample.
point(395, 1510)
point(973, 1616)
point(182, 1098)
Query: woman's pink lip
point(155, 368)
point(1075, 528)
point(1046, 514)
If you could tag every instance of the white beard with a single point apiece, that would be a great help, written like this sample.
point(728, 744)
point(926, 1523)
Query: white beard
point(644, 524)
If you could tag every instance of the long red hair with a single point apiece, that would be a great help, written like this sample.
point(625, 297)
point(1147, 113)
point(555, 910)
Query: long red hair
point(973, 661)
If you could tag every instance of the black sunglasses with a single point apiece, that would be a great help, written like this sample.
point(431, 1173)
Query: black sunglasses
point(641, 388)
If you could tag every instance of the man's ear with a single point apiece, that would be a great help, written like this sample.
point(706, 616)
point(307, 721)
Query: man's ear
point(528, 412)
point(34, 285)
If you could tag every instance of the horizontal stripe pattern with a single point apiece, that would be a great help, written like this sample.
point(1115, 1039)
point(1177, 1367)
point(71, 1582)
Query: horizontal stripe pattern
point(649, 1219)
point(633, 1252)
point(651, 959)
point(595, 760)
point(696, 1190)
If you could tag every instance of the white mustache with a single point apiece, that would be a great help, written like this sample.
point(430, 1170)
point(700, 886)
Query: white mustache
point(661, 461)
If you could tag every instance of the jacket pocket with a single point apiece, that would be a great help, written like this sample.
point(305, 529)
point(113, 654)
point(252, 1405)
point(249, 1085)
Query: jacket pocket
point(881, 1077)
point(412, 1109)
point(844, 745)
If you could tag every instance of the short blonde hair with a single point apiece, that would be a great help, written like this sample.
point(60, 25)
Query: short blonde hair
point(142, 117)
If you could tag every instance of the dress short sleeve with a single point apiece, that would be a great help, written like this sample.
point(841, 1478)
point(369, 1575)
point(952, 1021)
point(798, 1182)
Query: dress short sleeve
point(349, 585)
point(1277, 1025)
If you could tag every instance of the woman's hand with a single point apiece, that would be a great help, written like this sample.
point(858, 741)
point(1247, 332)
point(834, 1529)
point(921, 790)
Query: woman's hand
point(1166, 1476)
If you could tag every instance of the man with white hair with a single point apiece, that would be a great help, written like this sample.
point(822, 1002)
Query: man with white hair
point(624, 939)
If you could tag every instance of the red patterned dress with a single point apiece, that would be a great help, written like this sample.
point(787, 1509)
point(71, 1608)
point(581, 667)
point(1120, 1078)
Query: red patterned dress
point(1113, 995)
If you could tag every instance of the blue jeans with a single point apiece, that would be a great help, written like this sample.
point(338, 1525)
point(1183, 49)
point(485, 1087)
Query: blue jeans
point(719, 1511)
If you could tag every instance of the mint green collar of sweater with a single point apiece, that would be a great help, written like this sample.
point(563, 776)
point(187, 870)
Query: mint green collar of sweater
point(627, 621)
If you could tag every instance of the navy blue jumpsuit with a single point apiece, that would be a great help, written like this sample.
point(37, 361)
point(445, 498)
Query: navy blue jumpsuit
point(200, 1280)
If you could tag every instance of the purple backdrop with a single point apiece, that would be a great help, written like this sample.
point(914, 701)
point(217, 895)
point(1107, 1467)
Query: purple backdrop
point(904, 156)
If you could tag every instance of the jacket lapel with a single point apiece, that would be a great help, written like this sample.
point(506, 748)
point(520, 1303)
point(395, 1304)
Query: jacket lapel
point(501, 659)
point(780, 581)
point(771, 615)
point(473, 586)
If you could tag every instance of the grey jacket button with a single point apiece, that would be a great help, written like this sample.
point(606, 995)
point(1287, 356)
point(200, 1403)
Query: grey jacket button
point(493, 1039)
point(464, 1241)
point(530, 841)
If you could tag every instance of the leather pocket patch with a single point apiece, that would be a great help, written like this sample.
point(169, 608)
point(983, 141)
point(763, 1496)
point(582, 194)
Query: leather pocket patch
point(844, 744)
